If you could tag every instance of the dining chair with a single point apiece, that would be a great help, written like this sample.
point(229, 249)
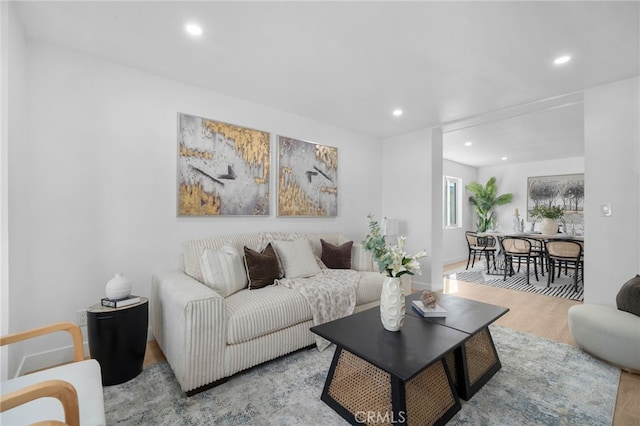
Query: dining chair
point(567, 253)
point(538, 250)
point(518, 248)
point(480, 247)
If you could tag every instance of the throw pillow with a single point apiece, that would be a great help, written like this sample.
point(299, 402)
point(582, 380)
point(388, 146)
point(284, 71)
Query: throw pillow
point(361, 259)
point(223, 270)
point(297, 258)
point(336, 257)
point(628, 298)
point(262, 268)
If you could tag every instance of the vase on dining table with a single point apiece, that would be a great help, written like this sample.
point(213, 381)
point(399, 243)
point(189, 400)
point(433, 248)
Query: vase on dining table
point(549, 226)
point(392, 308)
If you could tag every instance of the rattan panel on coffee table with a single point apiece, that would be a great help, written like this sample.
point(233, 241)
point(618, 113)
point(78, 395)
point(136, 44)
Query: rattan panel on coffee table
point(360, 386)
point(480, 356)
point(429, 396)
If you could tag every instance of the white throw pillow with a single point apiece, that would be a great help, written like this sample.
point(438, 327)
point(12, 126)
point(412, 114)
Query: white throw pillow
point(298, 261)
point(223, 270)
point(361, 259)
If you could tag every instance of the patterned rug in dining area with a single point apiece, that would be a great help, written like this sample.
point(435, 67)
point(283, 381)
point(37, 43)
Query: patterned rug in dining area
point(561, 287)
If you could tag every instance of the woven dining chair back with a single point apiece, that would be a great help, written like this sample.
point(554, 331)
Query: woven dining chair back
point(564, 249)
point(516, 245)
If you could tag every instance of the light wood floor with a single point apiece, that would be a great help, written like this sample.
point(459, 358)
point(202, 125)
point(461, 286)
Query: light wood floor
point(543, 316)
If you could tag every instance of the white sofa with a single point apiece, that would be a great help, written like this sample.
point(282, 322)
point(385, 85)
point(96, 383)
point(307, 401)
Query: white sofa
point(207, 337)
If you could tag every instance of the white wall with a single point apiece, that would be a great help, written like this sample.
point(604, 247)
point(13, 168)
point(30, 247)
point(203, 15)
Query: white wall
point(93, 188)
point(410, 163)
point(454, 242)
point(612, 161)
point(513, 178)
point(12, 124)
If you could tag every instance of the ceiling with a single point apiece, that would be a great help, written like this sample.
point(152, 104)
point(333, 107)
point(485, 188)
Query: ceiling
point(350, 64)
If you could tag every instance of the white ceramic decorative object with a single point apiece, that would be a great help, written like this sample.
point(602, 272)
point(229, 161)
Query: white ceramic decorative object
point(118, 287)
point(549, 226)
point(392, 307)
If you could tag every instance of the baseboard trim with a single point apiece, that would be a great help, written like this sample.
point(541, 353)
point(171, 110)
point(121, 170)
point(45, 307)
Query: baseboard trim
point(56, 356)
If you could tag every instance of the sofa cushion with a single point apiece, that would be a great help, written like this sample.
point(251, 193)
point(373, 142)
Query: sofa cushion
point(336, 257)
point(192, 250)
point(297, 258)
point(259, 312)
point(369, 287)
point(628, 298)
point(361, 259)
point(223, 270)
point(262, 268)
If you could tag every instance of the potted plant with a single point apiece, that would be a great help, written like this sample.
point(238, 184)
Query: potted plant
point(485, 199)
point(549, 216)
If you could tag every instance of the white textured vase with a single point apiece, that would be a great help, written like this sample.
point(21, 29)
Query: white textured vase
point(392, 307)
point(118, 287)
point(549, 226)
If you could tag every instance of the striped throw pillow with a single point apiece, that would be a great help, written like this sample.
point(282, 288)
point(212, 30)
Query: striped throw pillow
point(223, 270)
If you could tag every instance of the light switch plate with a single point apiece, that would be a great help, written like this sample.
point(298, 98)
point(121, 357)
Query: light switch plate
point(605, 210)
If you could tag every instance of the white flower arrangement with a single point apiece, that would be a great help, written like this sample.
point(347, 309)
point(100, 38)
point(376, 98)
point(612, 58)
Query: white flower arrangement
point(391, 259)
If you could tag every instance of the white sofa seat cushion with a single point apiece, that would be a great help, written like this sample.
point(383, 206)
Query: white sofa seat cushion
point(85, 376)
point(255, 313)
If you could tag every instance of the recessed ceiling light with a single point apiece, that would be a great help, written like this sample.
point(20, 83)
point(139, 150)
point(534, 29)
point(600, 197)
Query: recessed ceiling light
point(468, 143)
point(193, 29)
point(562, 60)
point(503, 158)
point(397, 112)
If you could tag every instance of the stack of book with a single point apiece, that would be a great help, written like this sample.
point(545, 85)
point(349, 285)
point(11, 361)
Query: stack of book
point(120, 303)
point(431, 312)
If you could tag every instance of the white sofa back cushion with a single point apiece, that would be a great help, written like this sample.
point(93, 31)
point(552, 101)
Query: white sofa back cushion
point(223, 270)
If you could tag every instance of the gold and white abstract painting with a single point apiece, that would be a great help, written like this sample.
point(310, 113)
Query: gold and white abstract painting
point(223, 169)
point(307, 178)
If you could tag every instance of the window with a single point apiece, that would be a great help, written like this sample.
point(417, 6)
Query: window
point(452, 202)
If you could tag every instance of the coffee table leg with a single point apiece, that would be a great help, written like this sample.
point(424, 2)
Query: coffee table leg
point(363, 393)
point(476, 362)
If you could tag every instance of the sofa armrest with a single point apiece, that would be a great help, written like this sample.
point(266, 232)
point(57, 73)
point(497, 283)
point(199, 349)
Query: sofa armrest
point(189, 324)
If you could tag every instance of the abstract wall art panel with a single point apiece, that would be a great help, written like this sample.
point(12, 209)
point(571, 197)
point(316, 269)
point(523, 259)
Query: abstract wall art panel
point(307, 179)
point(223, 169)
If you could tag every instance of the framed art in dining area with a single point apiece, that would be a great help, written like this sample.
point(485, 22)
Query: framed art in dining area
point(307, 179)
point(564, 191)
point(223, 169)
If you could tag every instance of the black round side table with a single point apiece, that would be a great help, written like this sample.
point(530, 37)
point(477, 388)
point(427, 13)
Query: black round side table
point(118, 339)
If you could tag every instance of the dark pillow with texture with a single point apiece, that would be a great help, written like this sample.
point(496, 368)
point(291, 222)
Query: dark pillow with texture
point(262, 268)
point(336, 257)
point(628, 298)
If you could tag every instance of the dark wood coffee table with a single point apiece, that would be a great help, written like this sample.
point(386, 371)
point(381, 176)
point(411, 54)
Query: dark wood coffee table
point(378, 376)
point(475, 362)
